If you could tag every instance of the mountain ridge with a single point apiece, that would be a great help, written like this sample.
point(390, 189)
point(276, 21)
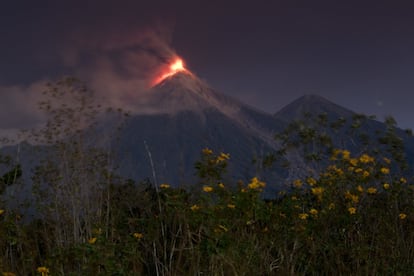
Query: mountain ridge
point(194, 116)
point(186, 92)
point(191, 116)
point(312, 103)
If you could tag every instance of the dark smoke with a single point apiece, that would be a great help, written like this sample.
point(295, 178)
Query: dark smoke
point(117, 64)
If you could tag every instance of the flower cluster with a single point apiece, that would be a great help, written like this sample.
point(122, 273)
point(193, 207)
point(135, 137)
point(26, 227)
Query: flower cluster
point(357, 180)
point(222, 157)
point(138, 235)
point(256, 184)
point(44, 271)
point(207, 189)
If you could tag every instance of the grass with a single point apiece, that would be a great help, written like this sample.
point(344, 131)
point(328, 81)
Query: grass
point(355, 217)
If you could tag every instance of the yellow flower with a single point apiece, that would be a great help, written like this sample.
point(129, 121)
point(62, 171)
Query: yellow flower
point(225, 155)
point(221, 185)
point(372, 190)
point(385, 170)
point(351, 169)
point(365, 158)
point(335, 153)
point(355, 198)
point(352, 197)
point(346, 154)
point(403, 180)
point(313, 212)
point(311, 181)
point(297, 183)
point(231, 206)
point(207, 189)
point(294, 198)
point(195, 207)
point(1, 211)
point(365, 174)
point(207, 151)
point(92, 240)
point(339, 171)
point(336, 170)
point(358, 170)
point(402, 216)
point(353, 162)
point(360, 189)
point(318, 192)
point(138, 235)
point(386, 186)
point(331, 206)
point(255, 183)
point(222, 157)
point(164, 186)
point(43, 270)
point(303, 216)
point(386, 160)
point(352, 210)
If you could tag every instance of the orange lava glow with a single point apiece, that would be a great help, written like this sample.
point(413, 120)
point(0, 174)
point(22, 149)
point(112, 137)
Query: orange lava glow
point(176, 66)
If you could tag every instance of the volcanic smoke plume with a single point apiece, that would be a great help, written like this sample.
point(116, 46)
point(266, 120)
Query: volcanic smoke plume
point(120, 65)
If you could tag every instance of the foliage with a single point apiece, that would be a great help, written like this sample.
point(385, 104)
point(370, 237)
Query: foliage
point(351, 214)
point(354, 218)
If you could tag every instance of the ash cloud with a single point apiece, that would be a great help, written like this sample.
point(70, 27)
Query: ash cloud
point(19, 105)
point(117, 63)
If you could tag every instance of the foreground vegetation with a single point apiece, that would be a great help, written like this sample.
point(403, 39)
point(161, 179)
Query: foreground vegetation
point(355, 218)
point(354, 215)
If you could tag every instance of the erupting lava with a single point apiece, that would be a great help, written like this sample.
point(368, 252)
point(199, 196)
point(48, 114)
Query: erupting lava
point(176, 66)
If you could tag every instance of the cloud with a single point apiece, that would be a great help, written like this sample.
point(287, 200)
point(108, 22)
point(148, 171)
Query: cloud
point(117, 63)
point(19, 105)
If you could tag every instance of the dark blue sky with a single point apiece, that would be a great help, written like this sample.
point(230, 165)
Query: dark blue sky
point(358, 54)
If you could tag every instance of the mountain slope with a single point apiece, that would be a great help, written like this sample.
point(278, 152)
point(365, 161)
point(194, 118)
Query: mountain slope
point(312, 104)
point(185, 92)
point(180, 116)
point(315, 115)
point(191, 116)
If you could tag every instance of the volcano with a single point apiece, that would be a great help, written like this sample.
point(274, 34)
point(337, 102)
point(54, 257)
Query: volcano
point(182, 114)
point(312, 104)
point(185, 92)
point(187, 116)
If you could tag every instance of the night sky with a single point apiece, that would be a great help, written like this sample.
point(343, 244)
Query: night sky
point(359, 54)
